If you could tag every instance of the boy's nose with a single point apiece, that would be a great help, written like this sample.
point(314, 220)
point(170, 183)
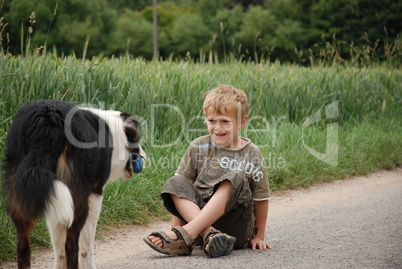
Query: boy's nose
point(218, 125)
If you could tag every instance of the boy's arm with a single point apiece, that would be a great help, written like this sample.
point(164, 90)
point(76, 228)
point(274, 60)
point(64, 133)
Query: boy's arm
point(261, 216)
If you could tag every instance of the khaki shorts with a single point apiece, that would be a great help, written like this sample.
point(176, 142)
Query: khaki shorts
point(238, 219)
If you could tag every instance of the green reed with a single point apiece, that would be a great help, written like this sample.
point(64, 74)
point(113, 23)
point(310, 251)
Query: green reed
point(137, 86)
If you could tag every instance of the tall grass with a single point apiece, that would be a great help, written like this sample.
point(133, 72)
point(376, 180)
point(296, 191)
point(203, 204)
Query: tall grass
point(167, 98)
point(134, 85)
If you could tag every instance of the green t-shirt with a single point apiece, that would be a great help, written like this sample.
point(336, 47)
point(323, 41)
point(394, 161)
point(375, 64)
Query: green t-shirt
point(204, 163)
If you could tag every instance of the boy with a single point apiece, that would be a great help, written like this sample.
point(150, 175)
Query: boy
point(220, 182)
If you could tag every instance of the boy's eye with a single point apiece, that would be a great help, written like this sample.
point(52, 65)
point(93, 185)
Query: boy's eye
point(224, 122)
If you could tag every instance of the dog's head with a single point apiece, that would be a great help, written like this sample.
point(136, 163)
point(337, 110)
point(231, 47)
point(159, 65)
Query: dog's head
point(137, 154)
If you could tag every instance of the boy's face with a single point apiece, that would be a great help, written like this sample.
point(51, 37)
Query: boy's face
point(224, 129)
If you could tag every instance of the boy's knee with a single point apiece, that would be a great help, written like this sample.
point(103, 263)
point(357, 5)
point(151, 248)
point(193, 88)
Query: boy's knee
point(239, 190)
point(177, 184)
point(236, 180)
point(176, 180)
point(226, 183)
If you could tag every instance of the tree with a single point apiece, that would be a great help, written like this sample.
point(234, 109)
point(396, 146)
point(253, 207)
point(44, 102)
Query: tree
point(188, 34)
point(247, 3)
point(256, 32)
point(207, 9)
point(28, 20)
point(357, 22)
point(67, 31)
point(134, 5)
point(249, 28)
point(168, 13)
point(224, 26)
point(133, 35)
point(289, 35)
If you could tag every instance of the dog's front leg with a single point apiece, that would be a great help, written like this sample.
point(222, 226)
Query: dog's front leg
point(87, 237)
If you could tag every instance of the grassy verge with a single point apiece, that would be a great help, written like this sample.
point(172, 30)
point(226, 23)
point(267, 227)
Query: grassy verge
point(167, 97)
point(363, 147)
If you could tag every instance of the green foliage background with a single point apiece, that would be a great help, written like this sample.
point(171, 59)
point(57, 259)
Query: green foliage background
point(284, 30)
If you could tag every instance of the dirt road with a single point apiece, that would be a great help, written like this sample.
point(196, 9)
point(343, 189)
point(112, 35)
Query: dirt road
point(354, 223)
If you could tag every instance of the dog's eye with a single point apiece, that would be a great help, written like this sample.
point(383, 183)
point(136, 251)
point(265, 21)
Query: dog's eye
point(133, 156)
point(133, 150)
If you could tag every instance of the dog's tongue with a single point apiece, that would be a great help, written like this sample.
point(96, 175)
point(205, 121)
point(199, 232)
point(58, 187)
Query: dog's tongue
point(127, 174)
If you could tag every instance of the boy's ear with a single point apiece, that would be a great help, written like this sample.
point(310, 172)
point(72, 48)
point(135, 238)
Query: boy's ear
point(244, 121)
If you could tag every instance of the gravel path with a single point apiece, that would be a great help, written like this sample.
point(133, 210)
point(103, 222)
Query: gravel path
point(354, 223)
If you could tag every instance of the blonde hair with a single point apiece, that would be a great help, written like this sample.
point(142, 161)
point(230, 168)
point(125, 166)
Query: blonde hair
point(227, 100)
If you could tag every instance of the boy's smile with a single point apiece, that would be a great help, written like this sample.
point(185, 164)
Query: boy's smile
point(224, 129)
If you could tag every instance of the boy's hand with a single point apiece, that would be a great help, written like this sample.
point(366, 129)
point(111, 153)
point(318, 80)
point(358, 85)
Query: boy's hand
point(258, 243)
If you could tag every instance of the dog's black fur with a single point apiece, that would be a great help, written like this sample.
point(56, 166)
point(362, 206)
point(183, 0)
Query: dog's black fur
point(39, 153)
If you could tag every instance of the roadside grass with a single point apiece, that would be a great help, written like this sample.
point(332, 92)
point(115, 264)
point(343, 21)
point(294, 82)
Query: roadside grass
point(363, 147)
point(167, 98)
point(134, 85)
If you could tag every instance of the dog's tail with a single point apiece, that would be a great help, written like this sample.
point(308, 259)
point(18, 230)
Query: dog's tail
point(38, 191)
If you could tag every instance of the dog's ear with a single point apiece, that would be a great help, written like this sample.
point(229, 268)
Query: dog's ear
point(131, 130)
point(129, 120)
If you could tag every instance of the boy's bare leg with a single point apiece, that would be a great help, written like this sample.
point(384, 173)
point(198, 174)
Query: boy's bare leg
point(176, 222)
point(199, 221)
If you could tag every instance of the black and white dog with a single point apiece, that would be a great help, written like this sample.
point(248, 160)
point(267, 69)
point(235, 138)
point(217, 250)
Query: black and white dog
point(58, 159)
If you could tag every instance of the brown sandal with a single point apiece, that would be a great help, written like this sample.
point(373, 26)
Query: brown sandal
point(218, 243)
point(180, 246)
